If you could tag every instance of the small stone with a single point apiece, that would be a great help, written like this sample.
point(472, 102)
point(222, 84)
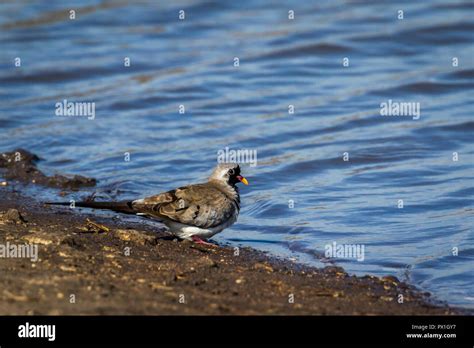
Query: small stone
point(391, 279)
point(67, 268)
point(14, 216)
point(136, 236)
point(179, 276)
point(263, 266)
point(334, 270)
point(386, 298)
point(34, 239)
point(211, 263)
point(159, 286)
point(63, 254)
point(338, 294)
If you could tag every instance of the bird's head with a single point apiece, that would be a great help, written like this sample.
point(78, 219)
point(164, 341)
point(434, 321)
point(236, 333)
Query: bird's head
point(228, 173)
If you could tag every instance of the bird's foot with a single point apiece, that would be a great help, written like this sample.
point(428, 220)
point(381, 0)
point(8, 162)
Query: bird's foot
point(198, 240)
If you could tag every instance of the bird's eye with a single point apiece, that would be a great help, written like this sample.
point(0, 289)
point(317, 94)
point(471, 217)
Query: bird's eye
point(231, 172)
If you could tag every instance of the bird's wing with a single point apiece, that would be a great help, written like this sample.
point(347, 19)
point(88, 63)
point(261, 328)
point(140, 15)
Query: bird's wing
point(198, 205)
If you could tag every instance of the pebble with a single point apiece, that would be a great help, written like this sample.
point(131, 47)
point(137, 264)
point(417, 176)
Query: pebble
point(263, 266)
point(33, 239)
point(13, 215)
point(135, 236)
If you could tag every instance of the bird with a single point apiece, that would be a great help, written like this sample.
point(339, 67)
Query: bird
point(194, 212)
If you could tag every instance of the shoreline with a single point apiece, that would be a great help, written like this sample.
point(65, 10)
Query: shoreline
point(95, 265)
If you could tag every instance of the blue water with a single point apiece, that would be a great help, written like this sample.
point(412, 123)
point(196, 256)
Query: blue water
point(282, 62)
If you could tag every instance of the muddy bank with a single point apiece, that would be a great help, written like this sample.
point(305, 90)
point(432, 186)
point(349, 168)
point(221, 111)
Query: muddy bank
point(20, 165)
point(99, 265)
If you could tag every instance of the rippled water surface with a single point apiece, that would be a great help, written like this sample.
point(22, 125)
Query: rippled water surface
point(300, 156)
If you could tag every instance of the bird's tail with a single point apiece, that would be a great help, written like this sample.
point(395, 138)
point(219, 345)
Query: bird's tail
point(120, 206)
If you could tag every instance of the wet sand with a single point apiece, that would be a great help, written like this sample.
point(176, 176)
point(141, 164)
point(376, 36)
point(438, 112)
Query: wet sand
point(90, 264)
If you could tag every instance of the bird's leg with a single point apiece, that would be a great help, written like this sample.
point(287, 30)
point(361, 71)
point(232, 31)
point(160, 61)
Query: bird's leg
point(198, 240)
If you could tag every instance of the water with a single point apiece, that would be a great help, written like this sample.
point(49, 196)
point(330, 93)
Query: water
point(300, 156)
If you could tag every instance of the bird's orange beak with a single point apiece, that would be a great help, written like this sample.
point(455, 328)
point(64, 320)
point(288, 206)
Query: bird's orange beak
point(242, 180)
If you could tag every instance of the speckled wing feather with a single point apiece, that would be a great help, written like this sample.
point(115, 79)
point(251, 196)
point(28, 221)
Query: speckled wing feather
point(201, 205)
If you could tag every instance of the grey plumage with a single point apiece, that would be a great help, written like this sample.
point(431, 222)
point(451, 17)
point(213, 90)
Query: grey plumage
point(190, 212)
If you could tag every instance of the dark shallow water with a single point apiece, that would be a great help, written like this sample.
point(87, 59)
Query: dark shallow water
point(282, 62)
